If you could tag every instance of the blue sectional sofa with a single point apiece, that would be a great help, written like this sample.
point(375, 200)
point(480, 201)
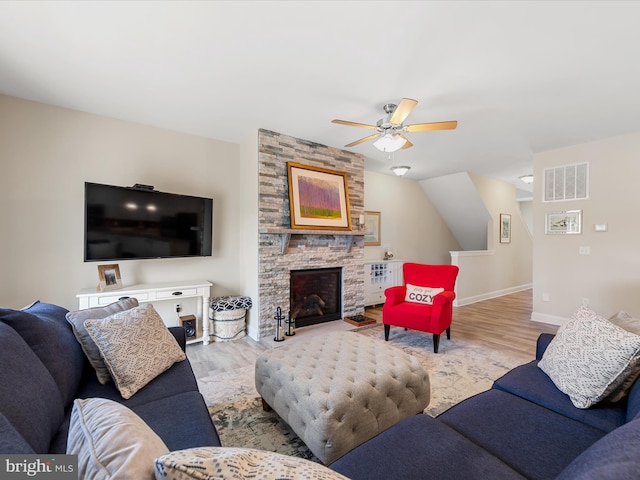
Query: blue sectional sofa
point(524, 427)
point(43, 369)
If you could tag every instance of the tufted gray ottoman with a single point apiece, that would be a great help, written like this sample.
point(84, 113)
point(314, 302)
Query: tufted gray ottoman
point(337, 391)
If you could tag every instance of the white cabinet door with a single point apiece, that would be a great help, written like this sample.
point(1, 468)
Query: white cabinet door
point(378, 277)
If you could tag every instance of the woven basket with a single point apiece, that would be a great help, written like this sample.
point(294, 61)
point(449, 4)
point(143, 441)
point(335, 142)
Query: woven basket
point(229, 325)
point(238, 313)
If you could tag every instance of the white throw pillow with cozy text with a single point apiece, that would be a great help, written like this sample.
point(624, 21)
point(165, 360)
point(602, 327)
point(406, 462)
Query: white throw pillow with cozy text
point(417, 294)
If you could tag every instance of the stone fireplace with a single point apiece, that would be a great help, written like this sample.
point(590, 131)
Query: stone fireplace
point(282, 250)
point(316, 295)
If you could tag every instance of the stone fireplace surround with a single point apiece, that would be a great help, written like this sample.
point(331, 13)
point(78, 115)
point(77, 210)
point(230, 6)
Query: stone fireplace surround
point(305, 249)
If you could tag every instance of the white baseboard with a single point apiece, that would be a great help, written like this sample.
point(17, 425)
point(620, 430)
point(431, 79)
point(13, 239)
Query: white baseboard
point(546, 318)
point(459, 302)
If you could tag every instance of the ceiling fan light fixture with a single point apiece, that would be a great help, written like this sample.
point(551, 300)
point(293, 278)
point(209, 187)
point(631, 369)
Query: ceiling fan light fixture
point(528, 179)
point(389, 142)
point(400, 170)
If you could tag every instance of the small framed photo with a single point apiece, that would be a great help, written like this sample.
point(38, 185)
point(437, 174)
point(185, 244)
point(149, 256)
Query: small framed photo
point(109, 277)
point(566, 222)
point(505, 228)
point(371, 229)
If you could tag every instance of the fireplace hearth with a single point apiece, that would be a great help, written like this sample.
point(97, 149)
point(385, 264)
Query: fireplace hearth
point(316, 295)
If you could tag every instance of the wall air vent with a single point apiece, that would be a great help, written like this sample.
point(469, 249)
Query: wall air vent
point(568, 182)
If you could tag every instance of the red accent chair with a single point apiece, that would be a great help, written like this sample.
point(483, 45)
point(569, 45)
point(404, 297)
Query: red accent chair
point(435, 318)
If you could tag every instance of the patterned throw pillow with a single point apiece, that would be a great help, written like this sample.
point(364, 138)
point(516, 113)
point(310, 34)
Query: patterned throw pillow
point(424, 295)
point(136, 347)
point(632, 325)
point(626, 321)
point(238, 463)
point(111, 441)
point(590, 357)
point(77, 319)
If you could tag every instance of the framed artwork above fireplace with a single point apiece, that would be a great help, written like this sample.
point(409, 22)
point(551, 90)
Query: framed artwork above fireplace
point(318, 198)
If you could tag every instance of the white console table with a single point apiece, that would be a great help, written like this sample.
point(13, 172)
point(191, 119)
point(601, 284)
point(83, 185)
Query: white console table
point(157, 292)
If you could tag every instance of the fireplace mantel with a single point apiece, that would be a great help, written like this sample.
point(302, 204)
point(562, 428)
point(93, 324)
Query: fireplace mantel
point(285, 235)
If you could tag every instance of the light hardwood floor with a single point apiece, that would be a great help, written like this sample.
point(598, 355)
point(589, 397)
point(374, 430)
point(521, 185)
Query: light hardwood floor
point(501, 323)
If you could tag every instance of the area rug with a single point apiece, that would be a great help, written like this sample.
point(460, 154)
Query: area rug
point(460, 370)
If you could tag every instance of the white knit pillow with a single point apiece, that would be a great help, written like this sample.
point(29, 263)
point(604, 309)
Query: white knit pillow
point(204, 463)
point(111, 441)
point(136, 347)
point(590, 357)
point(424, 295)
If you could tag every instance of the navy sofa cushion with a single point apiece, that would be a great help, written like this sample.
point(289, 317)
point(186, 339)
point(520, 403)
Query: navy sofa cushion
point(180, 335)
point(10, 440)
point(45, 329)
point(29, 397)
point(189, 409)
point(171, 384)
point(633, 401)
point(421, 447)
point(531, 439)
point(177, 379)
point(542, 343)
point(529, 382)
point(614, 457)
point(181, 421)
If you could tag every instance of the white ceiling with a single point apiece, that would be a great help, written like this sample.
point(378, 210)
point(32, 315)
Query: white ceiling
point(520, 77)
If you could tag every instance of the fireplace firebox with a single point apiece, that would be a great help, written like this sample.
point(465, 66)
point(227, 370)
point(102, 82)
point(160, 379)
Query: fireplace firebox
point(316, 295)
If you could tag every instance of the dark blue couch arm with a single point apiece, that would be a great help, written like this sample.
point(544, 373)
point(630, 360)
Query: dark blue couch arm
point(543, 342)
point(181, 336)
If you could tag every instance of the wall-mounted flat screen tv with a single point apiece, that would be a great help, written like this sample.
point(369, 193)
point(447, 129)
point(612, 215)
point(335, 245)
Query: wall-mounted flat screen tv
point(125, 223)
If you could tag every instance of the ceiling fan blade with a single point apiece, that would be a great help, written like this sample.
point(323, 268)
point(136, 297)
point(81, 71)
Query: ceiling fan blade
point(362, 140)
point(423, 127)
point(354, 124)
point(407, 144)
point(403, 110)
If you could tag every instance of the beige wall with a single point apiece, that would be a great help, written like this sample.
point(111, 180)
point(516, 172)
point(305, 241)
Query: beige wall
point(410, 225)
point(500, 197)
point(47, 153)
point(504, 267)
point(610, 277)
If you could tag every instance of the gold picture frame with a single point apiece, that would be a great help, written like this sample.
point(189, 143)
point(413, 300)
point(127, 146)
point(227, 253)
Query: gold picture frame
point(109, 277)
point(318, 198)
point(372, 229)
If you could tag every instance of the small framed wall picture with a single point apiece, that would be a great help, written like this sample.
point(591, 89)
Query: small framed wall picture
point(109, 277)
point(564, 222)
point(372, 228)
point(505, 228)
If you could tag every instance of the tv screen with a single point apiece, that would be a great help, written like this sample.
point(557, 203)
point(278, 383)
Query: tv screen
point(123, 223)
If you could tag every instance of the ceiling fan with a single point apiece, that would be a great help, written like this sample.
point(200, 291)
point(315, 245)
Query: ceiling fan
point(389, 129)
